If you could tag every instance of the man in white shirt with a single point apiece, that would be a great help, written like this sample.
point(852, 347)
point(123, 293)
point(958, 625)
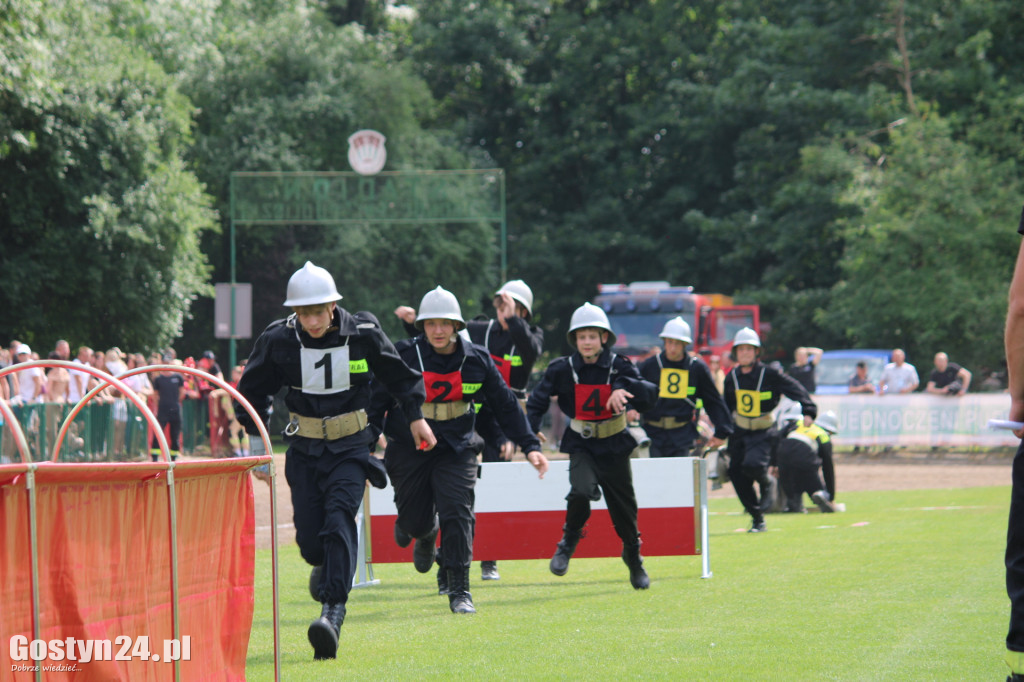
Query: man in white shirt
point(31, 379)
point(79, 385)
point(899, 376)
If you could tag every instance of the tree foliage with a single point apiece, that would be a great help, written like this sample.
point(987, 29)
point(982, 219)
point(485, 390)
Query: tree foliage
point(852, 167)
point(103, 219)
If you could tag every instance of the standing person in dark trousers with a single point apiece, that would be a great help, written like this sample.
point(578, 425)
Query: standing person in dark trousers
point(514, 345)
point(593, 387)
point(685, 385)
point(324, 356)
point(1014, 343)
point(752, 391)
point(434, 491)
point(170, 390)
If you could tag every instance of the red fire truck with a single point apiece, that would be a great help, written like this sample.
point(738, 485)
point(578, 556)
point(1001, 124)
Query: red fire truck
point(638, 311)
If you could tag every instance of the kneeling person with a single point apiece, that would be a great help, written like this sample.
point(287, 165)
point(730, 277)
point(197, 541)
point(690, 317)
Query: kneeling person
point(799, 457)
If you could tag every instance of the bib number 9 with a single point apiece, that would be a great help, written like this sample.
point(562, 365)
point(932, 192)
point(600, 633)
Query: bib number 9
point(748, 403)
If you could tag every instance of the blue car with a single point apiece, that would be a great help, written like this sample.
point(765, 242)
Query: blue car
point(832, 373)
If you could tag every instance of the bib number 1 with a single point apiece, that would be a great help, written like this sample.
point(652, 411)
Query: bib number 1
point(325, 370)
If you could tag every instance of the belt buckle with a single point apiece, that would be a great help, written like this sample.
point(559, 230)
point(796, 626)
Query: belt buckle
point(588, 430)
point(323, 425)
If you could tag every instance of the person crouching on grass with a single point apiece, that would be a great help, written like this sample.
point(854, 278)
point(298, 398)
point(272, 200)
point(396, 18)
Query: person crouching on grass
point(434, 490)
point(593, 387)
point(324, 356)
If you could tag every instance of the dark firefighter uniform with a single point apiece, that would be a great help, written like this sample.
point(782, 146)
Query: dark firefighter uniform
point(751, 396)
point(799, 455)
point(441, 481)
point(684, 387)
point(328, 458)
point(514, 352)
point(596, 440)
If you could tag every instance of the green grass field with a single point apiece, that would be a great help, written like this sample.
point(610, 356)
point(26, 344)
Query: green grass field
point(903, 586)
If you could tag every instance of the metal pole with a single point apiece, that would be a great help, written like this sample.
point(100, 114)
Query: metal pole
point(705, 550)
point(275, 590)
point(504, 229)
point(175, 597)
point(33, 531)
point(231, 229)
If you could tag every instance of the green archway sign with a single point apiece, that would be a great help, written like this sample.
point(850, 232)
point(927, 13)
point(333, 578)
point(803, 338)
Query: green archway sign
point(348, 198)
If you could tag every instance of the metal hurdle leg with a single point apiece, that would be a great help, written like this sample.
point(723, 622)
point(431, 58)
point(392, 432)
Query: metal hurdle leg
point(364, 556)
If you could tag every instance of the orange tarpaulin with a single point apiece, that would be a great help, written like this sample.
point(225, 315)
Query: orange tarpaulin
point(105, 569)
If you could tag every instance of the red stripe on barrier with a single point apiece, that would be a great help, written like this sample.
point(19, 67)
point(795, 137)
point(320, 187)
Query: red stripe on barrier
point(533, 535)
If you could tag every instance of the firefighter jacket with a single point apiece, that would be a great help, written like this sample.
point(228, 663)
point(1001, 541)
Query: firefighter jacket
point(328, 376)
point(513, 350)
point(684, 387)
point(803, 447)
point(582, 391)
point(753, 395)
point(463, 378)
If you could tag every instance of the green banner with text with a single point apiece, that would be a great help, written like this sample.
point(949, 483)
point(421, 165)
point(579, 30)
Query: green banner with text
point(338, 198)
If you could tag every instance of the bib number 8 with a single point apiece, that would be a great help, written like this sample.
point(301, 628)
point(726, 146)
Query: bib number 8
point(675, 383)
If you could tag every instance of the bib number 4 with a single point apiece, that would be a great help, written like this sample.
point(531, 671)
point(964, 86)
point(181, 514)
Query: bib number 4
point(591, 401)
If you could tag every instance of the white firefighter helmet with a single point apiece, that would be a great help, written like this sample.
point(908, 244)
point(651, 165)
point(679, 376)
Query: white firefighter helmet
point(746, 337)
point(518, 290)
point(793, 413)
point(677, 329)
point(440, 304)
point(828, 421)
point(311, 285)
point(589, 315)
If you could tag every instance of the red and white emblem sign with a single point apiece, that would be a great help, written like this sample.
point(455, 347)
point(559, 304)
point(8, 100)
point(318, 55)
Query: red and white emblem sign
point(366, 153)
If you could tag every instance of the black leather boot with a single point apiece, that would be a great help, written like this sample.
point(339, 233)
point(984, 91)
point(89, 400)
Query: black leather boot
point(442, 579)
point(637, 575)
point(323, 632)
point(459, 598)
point(425, 551)
point(402, 538)
point(566, 546)
point(314, 582)
point(769, 491)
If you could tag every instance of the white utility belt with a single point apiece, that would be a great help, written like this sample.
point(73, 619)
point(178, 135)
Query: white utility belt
point(327, 428)
point(442, 412)
point(668, 423)
point(599, 429)
point(761, 423)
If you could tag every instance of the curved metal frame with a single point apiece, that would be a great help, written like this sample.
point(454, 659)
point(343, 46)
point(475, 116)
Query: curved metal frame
point(108, 380)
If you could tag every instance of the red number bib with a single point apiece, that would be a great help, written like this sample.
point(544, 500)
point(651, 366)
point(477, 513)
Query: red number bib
point(591, 400)
point(443, 388)
point(504, 369)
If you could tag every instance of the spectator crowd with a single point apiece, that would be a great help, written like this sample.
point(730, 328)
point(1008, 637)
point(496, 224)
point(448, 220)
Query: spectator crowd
point(110, 427)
